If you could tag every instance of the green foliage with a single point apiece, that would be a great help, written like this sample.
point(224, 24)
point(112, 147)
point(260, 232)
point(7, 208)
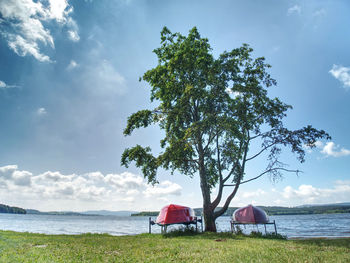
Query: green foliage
point(146, 213)
point(267, 235)
point(11, 209)
point(182, 231)
point(212, 110)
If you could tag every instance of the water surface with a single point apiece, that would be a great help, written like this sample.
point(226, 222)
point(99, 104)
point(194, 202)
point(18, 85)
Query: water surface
point(293, 226)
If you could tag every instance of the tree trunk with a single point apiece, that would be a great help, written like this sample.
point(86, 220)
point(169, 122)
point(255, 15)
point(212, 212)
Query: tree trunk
point(208, 211)
point(209, 220)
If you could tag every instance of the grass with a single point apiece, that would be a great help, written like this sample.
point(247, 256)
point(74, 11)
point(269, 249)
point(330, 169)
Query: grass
point(206, 247)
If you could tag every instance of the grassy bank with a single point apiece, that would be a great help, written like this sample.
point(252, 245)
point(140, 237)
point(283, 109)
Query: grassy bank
point(25, 247)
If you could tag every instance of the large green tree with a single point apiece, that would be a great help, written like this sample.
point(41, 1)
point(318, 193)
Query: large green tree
point(212, 111)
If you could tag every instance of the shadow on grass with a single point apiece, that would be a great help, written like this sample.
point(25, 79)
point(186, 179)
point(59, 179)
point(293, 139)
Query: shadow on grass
point(266, 236)
point(191, 232)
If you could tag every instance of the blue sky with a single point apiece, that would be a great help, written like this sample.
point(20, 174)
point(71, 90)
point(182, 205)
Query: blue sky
point(69, 79)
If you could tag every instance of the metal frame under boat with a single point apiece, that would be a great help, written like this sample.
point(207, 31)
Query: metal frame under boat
point(165, 226)
point(234, 224)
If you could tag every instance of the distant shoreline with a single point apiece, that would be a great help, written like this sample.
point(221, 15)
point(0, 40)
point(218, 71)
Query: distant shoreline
point(278, 210)
point(319, 238)
point(338, 208)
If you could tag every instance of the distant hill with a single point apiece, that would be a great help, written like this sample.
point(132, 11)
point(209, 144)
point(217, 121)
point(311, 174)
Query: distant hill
point(146, 213)
point(65, 213)
point(335, 204)
point(108, 213)
point(11, 209)
point(85, 213)
point(271, 210)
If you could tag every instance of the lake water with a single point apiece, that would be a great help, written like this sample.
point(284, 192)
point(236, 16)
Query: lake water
point(293, 226)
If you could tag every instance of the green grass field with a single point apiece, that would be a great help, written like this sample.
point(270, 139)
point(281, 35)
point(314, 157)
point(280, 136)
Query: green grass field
point(207, 247)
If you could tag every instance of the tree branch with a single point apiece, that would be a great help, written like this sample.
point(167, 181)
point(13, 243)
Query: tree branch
point(265, 172)
point(230, 197)
point(261, 151)
point(217, 200)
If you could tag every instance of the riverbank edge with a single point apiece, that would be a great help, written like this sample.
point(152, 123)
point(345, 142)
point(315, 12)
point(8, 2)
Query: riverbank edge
point(158, 234)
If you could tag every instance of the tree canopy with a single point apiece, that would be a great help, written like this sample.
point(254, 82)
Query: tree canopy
point(212, 110)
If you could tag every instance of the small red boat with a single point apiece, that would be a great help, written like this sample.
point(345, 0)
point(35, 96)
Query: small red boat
point(176, 214)
point(250, 214)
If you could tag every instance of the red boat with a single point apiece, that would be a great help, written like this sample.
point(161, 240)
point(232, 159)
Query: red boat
point(176, 214)
point(250, 214)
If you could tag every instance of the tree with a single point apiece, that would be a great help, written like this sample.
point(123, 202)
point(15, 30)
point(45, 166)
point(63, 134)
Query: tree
point(212, 111)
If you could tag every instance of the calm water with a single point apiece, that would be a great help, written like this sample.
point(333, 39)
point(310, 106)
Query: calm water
point(333, 225)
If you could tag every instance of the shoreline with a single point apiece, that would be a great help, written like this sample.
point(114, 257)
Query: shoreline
point(318, 238)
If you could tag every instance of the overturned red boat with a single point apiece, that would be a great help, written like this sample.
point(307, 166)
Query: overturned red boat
point(250, 214)
point(176, 214)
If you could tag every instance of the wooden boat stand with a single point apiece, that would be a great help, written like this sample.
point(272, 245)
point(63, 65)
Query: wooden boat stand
point(163, 228)
point(235, 224)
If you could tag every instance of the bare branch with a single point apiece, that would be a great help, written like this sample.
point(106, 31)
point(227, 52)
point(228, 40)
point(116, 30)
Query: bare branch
point(265, 172)
point(211, 138)
point(261, 151)
point(235, 164)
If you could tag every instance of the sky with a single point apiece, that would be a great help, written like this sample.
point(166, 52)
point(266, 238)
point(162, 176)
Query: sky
point(69, 79)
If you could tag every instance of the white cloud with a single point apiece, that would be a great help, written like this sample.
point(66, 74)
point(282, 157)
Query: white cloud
point(330, 149)
point(163, 189)
point(7, 171)
point(41, 111)
point(308, 194)
point(23, 47)
point(318, 144)
point(342, 74)
point(95, 189)
point(296, 9)
point(73, 32)
point(59, 10)
point(26, 30)
point(125, 180)
point(233, 93)
point(3, 85)
point(22, 178)
point(73, 35)
point(258, 192)
point(72, 65)
point(11, 173)
point(104, 79)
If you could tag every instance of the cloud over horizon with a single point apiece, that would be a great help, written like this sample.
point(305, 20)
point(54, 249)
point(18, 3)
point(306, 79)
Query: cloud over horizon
point(92, 188)
point(308, 194)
